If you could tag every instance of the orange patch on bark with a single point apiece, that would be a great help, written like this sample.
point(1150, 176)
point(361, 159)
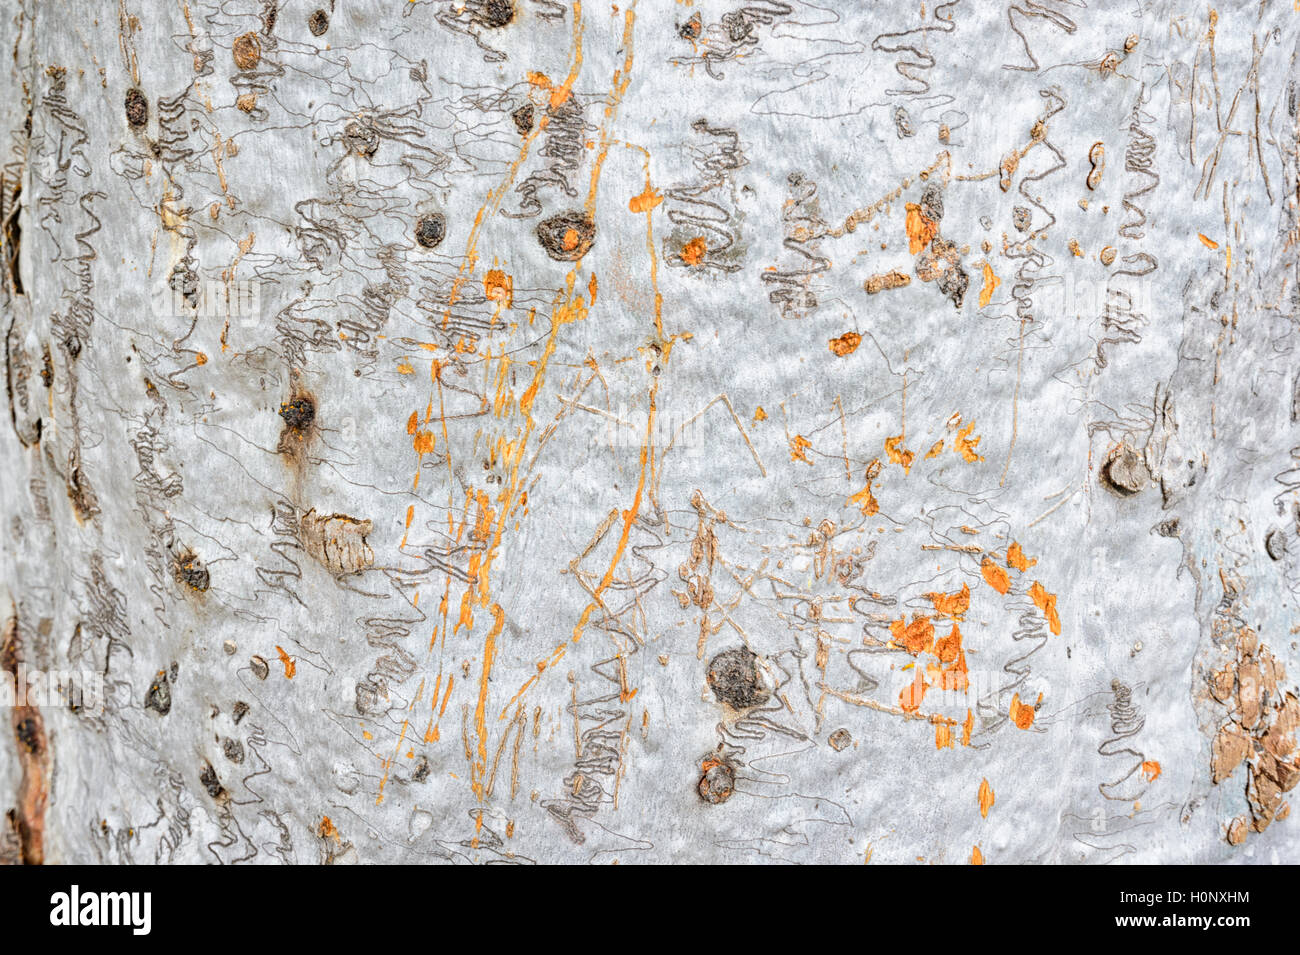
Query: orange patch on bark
point(898, 454)
point(991, 282)
point(913, 694)
point(290, 668)
point(499, 287)
point(1046, 602)
point(986, 798)
point(866, 500)
point(995, 576)
point(693, 252)
point(846, 344)
point(1022, 715)
point(1016, 558)
point(920, 228)
point(915, 637)
point(956, 677)
point(952, 605)
point(948, 648)
point(798, 446)
point(646, 201)
point(964, 445)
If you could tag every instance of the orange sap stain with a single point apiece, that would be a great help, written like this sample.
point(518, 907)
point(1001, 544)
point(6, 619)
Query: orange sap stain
point(570, 239)
point(935, 450)
point(760, 415)
point(956, 676)
point(201, 359)
point(591, 294)
point(991, 282)
point(693, 252)
point(1016, 558)
point(404, 368)
point(951, 605)
point(915, 637)
point(1021, 715)
point(976, 857)
point(866, 500)
point(846, 344)
point(942, 736)
point(913, 694)
point(646, 201)
point(289, 666)
point(1046, 602)
point(995, 576)
point(1151, 770)
point(1207, 241)
point(424, 442)
point(920, 229)
point(798, 446)
point(898, 454)
point(480, 711)
point(413, 422)
point(499, 287)
point(967, 727)
point(948, 648)
point(965, 446)
point(327, 830)
point(985, 797)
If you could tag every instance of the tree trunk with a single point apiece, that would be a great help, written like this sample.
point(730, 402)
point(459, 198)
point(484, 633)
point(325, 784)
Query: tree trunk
point(478, 430)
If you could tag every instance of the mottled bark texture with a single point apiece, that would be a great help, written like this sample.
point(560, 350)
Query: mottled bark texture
point(729, 430)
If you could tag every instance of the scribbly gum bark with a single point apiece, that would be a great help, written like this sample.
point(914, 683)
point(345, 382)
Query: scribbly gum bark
point(746, 430)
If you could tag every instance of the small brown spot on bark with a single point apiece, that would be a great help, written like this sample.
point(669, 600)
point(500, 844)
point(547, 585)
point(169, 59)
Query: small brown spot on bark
point(137, 108)
point(886, 280)
point(247, 51)
point(430, 230)
point(733, 677)
point(190, 571)
point(496, 13)
point(717, 780)
point(567, 237)
point(1124, 473)
point(523, 118)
